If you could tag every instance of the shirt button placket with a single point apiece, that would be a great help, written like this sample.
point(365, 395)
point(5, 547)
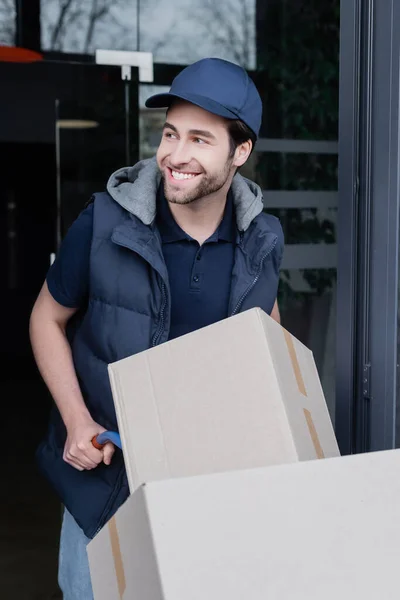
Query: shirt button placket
point(196, 276)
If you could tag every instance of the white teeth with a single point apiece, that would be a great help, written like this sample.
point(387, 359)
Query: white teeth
point(177, 175)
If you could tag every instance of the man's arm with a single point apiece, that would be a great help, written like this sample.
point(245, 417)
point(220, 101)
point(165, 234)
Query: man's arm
point(275, 314)
point(53, 356)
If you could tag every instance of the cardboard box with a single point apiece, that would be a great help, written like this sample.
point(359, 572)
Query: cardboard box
point(309, 531)
point(241, 393)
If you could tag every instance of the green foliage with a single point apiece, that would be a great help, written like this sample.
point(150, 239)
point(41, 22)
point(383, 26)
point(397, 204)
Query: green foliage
point(299, 70)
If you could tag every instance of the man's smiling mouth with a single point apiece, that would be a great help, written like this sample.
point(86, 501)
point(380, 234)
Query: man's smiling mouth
point(181, 175)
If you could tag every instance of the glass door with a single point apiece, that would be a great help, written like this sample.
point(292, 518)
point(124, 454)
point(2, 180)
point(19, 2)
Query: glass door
point(64, 127)
point(296, 164)
point(96, 132)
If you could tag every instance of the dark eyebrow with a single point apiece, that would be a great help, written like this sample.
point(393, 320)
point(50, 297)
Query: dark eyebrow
point(200, 132)
point(170, 126)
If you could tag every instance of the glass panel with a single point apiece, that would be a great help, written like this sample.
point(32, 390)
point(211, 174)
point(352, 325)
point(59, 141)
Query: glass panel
point(186, 31)
point(176, 31)
point(296, 163)
point(96, 133)
point(88, 95)
point(150, 121)
point(7, 22)
point(81, 26)
point(39, 202)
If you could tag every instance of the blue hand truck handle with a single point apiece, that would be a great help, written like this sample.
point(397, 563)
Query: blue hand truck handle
point(107, 436)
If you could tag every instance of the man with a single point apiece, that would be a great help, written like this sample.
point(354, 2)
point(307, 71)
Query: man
point(176, 243)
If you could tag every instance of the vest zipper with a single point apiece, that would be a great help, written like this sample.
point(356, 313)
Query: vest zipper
point(256, 278)
point(160, 328)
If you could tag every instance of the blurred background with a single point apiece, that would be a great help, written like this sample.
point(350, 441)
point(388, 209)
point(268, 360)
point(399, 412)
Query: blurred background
point(66, 123)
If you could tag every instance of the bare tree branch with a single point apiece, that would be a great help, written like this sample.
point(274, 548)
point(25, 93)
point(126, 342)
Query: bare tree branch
point(96, 14)
point(64, 8)
point(228, 27)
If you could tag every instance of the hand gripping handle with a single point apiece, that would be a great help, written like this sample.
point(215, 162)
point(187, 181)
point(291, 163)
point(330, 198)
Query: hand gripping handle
point(100, 440)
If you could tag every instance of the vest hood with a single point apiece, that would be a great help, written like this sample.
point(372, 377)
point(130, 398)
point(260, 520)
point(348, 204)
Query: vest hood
point(135, 189)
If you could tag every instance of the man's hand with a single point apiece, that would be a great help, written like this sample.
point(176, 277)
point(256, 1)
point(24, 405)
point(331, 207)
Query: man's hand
point(79, 451)
point(54, 358)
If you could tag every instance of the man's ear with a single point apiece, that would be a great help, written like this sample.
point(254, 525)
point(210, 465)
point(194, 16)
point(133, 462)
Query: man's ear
point(242, 153)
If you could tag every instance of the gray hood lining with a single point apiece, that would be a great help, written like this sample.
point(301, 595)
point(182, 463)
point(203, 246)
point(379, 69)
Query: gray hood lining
point(135, 189)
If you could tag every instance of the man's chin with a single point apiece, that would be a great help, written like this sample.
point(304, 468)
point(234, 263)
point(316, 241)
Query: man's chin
point(179, 196)
point(179, 199)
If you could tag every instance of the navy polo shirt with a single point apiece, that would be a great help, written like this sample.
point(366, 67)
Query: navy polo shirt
point(199, 276)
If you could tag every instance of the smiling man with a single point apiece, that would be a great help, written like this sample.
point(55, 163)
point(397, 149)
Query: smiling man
point(176, 243)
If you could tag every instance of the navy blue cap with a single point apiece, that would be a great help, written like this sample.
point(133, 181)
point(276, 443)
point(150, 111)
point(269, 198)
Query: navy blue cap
point(218, 86)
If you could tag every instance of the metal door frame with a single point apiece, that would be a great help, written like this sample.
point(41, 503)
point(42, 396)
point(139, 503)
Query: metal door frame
point(368, 238)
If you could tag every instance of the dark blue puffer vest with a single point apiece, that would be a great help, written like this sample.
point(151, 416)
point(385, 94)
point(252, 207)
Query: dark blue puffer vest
point(128, 312)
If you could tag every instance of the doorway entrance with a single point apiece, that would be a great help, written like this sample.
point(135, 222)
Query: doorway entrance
point(63, 130)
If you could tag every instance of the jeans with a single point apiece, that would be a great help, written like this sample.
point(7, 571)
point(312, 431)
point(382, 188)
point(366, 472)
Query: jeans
point(73, 570)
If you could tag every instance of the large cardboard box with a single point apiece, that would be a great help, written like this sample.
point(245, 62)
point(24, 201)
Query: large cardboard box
point(309, 531)
point(239, 394)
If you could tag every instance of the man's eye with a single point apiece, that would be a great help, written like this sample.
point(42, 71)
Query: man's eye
point(199, 141)
point(169, 135)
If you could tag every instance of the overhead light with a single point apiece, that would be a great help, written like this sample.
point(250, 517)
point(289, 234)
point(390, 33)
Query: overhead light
point(76, 124)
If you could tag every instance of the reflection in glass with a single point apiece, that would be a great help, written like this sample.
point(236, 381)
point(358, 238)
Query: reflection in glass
point(151, 121)
point(91, 137)
point(188, 31)
point(175, 31)
point(298, 77)
point(81, 26)
point(7, 22)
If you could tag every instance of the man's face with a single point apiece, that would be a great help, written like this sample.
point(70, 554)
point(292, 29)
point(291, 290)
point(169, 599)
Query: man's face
point(193, 155)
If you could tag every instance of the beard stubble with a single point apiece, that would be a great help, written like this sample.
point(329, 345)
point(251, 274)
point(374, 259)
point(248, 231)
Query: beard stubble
point(209, 185)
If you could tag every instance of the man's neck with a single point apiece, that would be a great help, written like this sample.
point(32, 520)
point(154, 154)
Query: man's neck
point(200, 218)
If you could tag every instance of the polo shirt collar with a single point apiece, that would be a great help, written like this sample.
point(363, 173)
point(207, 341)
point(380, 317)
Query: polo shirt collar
point(171, 232)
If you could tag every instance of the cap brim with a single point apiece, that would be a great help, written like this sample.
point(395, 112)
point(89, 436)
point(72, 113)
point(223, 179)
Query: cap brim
point(165, 100)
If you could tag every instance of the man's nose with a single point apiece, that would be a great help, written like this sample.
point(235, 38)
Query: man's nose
point(180, 154)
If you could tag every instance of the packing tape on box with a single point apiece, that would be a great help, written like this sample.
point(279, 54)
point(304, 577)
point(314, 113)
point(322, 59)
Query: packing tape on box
point(314, 434)
point(117, 555)
point(302, 389)
point(295, 363)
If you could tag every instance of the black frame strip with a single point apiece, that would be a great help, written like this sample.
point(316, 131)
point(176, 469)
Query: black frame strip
point(384, 237)
point(28, 34)
point(347, 231)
